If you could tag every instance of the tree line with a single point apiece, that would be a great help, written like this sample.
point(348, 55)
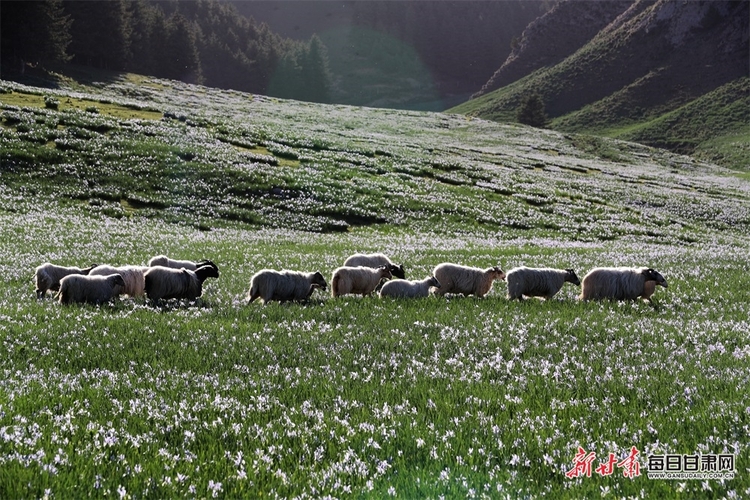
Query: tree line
point(202, 41)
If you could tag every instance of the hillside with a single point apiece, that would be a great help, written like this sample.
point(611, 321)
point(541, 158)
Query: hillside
point(191, 154)
point(642, 69)
point(403, 54)
point(358, 396)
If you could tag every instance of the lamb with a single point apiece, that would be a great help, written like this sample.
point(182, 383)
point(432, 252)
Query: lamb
point(168, 283)
point(79, 288)
point(48, 276)
point(164, 261)
point(284, 286)
point(409, 289)
point(621, 283)
point(357, 280)
point(538, 282)
point(375, 260)
point(135, 282)
point(455, 278)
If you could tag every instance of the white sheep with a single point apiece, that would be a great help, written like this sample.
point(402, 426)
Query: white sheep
point(168, 283)
point(284, 286)
point(455, 278)
point(357, 280)
point(48, 276)
point(375, 260)
point(135, 281)
point(409, 289)
point(78, 288)
point(164, 261)
point(538, 282)
point(621, 283)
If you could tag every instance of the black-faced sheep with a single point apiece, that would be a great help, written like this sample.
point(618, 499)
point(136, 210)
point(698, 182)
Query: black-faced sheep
point(135, 281)
point(538, 282)
point(164, 261)
point(409, 289)
point(284, 286)
point(79, 288)
point(455, 278)
point(375, 260)
point(621, 283)
point(357, 280)
point(48, 276)
point(168, 283)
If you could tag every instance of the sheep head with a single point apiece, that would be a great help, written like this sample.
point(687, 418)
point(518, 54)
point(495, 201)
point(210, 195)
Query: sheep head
point(397, 271)
point(206, 271)
point(652, 275)
point(497, 273)
point(571, 277)
point(385, 272)
point(434, 282)
point(318, 281)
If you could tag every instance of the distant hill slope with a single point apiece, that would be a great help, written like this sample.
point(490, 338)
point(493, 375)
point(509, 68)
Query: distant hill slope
point(637, 77)
point(133, 146)
point(403, 54)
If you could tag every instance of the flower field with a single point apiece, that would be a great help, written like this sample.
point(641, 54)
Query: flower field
point(356, 397)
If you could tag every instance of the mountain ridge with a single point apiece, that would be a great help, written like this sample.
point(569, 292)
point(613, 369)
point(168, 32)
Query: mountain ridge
point(651, 59)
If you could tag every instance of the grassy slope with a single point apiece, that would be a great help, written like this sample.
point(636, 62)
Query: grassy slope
point(358, 397)
point(712, 127)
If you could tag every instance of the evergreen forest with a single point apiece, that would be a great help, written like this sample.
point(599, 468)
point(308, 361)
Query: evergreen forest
point(203, 42)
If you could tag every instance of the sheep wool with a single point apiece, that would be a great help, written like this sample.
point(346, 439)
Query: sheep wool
point(80, 288)
point(284, 286)
point(455, 278)
point(409, 289)
point(538, 282)
point(168, 283)
point(357, 280)
point(48, 276)
point(375, 260)
point(135, 281)
point(164, 261)
point(621, 283)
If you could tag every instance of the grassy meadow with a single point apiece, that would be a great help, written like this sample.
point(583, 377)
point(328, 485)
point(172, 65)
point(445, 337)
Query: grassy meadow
point(357, 397)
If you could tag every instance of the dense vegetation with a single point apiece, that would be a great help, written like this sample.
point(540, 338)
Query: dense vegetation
point(201, 41)
point(357, 397)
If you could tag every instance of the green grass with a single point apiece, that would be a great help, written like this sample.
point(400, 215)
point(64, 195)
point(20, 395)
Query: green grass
point(360, 397)
point(712, 127)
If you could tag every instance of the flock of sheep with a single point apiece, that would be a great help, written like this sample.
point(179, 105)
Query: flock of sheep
point(165, 278)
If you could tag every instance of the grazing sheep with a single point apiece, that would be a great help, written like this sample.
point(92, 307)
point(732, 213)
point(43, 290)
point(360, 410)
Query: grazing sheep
point(409, 289)
point(48, 276)
point(375, 260)
point(621, 283)
point(284, 286)
point(538, 282)
point(168, 283)
point(164, 261)
point(135, 282)
point(454, 278)
point(78, 288)
point(357, 280)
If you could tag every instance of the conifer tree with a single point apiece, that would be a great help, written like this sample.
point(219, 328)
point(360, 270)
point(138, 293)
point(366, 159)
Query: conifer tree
point(35, 32)
point(531, 111)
